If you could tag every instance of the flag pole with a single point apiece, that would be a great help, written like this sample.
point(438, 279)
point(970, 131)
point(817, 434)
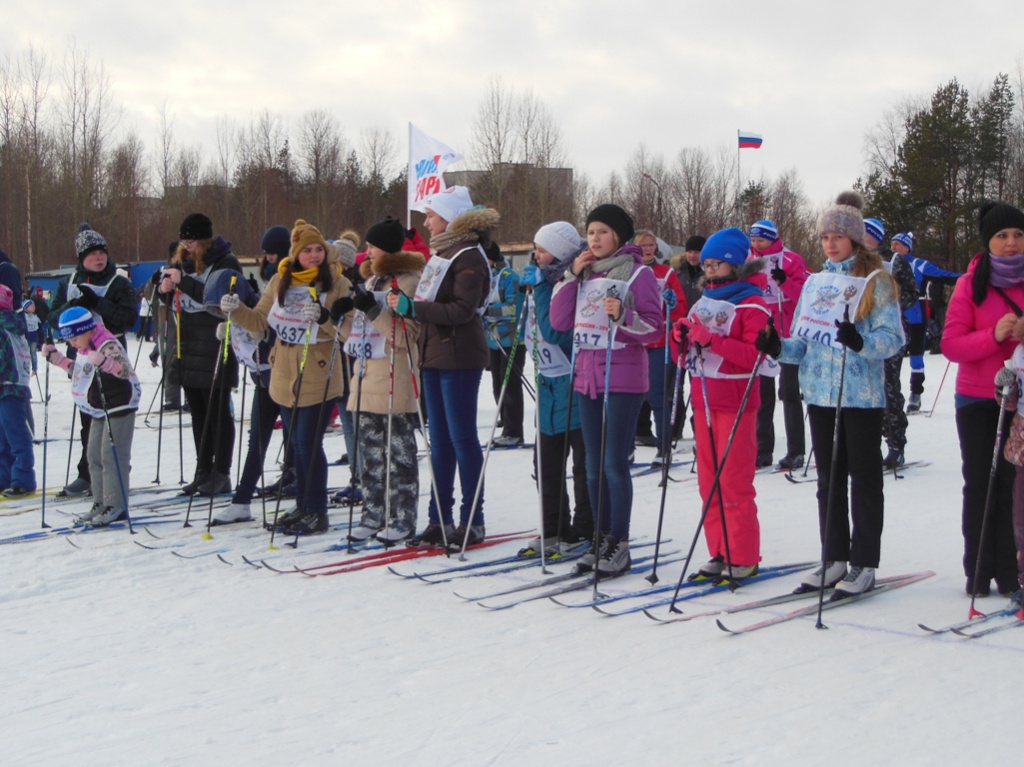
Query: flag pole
point(408, 184)
point(739, 181)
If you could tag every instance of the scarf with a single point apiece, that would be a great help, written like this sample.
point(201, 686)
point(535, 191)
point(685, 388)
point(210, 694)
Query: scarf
point(618, 266)
point(733, 292)
point(445, 240)
point(1006, 271)
point(299, 276)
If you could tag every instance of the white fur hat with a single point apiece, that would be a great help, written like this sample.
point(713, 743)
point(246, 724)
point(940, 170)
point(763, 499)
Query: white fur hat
point(449, 204)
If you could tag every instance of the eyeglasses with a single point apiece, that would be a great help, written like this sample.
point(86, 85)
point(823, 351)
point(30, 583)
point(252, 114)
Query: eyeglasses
point(710, 266)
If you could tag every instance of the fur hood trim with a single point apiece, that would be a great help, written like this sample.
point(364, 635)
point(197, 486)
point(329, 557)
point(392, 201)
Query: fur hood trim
point(477, 220)
point(392, 263)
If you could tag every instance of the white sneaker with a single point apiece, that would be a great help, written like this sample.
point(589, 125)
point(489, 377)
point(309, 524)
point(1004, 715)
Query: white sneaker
point(533, 548)
point(834, 572)
point(362, 533)
point(393, 534)
point(236, 512)
point(85, 518)
point(614, 560)
point(108, 515)
point(857, 581)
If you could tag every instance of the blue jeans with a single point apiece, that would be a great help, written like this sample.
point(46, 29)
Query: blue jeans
point(17, 460)
point(617, 499)
point(451, 397)
point(261, 428)
point(306, 447)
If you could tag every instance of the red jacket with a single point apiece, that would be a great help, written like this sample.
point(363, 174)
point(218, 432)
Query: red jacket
point(667, 273)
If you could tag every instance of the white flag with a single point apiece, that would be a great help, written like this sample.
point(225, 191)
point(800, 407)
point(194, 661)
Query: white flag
point(428, 158)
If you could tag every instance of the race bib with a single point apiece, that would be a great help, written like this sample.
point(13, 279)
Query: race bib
point(366, 341)
point(825, 299)
point(434, 272)
point(549, 358)
point(22, 357)
point(718, 316)
point(772, 292)
point(288, 322)
point(246, 349)
point(592, 324)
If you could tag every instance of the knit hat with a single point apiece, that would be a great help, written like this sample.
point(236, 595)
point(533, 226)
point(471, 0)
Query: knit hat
point(449, 204)
point(765, 229)
point(196, 226)
point(993, 217)
point(388, 235)
point(874, 227)
point(74, 321)
point(277, 239)
point(560, 239)
point(905, 238)
point(6, 297)
point(844, 217)
point(616, 218)
point(87, 241)
point(347, 245)
point(696, 242)
point(26, 304)
point(304, 235)
point(729, 245)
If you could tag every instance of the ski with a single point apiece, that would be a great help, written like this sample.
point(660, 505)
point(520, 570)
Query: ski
point(908, 465)
point(702, 587)
point(640, 565)
point(658, 469)
point(499, 566)
point(976, 620)
point(891, 584)
point(779, 599)
point(57, 532)
point(1018, 620)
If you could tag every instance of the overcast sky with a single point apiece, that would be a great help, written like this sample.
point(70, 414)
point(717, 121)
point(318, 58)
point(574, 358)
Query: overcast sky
point(811, 77)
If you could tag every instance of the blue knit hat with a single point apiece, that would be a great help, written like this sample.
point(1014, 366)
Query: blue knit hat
point(766, 229)
point(729, 245)
point(277, 239)
point(74, 321)
point(874, 227)
point(905, 238)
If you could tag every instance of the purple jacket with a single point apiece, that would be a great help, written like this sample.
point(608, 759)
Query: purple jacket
point(642, 322)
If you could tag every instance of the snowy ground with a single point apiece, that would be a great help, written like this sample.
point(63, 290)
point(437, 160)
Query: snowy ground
point(113, 654)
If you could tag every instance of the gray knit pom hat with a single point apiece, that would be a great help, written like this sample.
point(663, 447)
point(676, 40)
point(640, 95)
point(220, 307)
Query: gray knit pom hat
point(844, 217)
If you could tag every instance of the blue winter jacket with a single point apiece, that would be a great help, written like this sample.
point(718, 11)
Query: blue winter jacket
point(553, 393)
point(501, 315)
point(924, 269)
point(864, 383)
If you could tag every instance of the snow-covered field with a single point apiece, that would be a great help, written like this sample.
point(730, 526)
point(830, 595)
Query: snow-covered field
point(113, 654)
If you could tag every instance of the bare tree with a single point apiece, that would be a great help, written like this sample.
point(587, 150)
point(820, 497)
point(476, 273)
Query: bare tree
point(321, 152)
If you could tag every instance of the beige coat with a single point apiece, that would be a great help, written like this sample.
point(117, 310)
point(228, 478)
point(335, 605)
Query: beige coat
point(285, 360)
point(406, 267)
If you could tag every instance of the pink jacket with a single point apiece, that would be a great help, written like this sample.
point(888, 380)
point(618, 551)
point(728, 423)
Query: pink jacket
point(796, 275)
point(968, 337)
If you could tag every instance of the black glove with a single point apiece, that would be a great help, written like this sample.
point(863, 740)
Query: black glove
point(768, 341)
point(367, 304)
point(88, 299)
point(341, 307)
point(779, 276)
point(847, 335)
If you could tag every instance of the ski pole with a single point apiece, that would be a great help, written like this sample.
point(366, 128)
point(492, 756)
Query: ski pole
point(939, 390)
point(46, 429)
point(354, 458)
point(717, 480)
point(612, 292)
point(225, 346)
point(653, 577)
point(113, 444)
point(531, 313)
point(715, 462)
point(181, 405)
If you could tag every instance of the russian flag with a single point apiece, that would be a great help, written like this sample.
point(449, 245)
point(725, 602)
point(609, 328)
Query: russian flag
point(749, 140)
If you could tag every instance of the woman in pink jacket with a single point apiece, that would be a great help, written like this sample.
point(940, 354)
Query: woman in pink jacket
point(985, 305)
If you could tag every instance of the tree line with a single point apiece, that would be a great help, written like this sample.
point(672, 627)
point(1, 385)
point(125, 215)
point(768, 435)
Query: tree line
point(66, 157)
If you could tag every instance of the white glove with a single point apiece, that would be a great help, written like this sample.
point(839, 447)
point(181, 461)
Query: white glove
point(229, 302)
point(311, 312)
point(96, 357)
point(222, 328)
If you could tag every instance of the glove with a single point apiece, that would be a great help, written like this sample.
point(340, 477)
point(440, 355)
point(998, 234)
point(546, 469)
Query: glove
point(46, 350)
point(779, 276)
point(532, 275)
point(96, 357)
point(679, 332)
point(154, 357)
point(1005, 377)
point(698, 333)
point(315, 313)
point(768, 341)
point(847, 335)
point(229, 302)
point(367, 304)
point(88, 299)
point(405, 307)
point(341, 307)
point(671, 299)
point(222, 330)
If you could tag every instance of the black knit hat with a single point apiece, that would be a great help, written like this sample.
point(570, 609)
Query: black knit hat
point(616, 218)
point(388, 235)
point(696, 242)
point(196, 226)
point(277, 239)
point(993, 217)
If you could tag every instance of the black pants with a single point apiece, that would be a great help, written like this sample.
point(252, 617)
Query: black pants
point(83, 433)
point(512, 405)
point(894, 425)
point(792, 412)
point(213, 454)
point(976, 427)
point(858, 459)
point(554, 497)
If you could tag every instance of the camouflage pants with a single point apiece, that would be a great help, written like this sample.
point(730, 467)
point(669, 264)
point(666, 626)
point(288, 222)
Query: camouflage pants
point(405, 485)
point(894, 423)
